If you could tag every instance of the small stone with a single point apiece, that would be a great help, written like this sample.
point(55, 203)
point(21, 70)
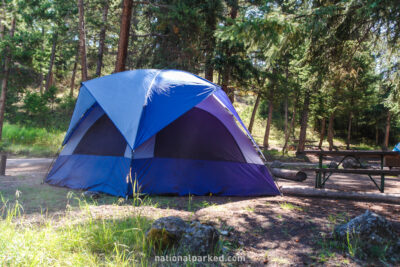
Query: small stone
point(224, 233)
point(92, 194)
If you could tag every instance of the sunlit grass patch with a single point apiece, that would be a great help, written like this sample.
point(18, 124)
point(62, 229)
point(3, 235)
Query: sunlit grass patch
point(91, 242)
point(21, 140)
point(290, 206)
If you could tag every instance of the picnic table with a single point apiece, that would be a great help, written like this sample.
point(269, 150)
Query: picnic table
point(323, 174)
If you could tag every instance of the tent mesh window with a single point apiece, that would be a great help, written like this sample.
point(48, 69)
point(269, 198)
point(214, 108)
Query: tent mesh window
point(197, 135)
point(102, 138)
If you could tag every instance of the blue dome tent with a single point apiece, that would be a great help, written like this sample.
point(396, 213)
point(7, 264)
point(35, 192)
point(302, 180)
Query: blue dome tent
point(174, 131)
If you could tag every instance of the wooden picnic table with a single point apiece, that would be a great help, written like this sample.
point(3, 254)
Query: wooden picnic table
point(323, 174)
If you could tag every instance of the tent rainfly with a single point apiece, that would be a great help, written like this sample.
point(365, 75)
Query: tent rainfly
point(170, 131)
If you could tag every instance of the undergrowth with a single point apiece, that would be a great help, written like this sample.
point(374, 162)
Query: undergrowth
point(88, 242)
point(22, 140)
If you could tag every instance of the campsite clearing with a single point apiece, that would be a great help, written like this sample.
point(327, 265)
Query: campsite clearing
point(274, 230)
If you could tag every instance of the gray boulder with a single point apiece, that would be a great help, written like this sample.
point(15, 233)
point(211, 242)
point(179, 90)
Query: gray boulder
point(351, 163)
point(333, 165)
point(199, 238)
point(374, 235)
point(172, 232)
point(166, 232)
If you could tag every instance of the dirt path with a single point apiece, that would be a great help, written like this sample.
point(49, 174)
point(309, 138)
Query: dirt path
point(273, 231)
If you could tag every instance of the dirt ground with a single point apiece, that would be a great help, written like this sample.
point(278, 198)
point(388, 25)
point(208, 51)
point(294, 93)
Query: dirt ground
point(273, 231)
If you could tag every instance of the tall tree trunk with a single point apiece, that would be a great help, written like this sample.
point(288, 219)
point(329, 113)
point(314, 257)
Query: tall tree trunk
point(376, 134)
point(41, 66)
point(387, 130)
point(304, 123)
point(286, 114)
point(349, 131)
point(269, 122)
point(6, 74)
point(286, 95)
point(72, 85)
point(322, 132)
point(102, 38)
point(330, 130)
point(227, 68)
point(268, 128)
point(225, 82)
point(2, 19)
point(124, 36)
point(82, 40)
point(51, 63)
point(211, 23)
point(291, 127)
point(253, 114)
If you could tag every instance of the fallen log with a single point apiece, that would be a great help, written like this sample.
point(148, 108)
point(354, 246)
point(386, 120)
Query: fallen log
point(292, 175)
point(334, 194)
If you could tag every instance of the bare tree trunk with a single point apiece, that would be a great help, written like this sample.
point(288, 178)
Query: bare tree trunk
point(72, 85)
point(287, 134)
point(268, 128)
point(102, 39)
point(124, 36)
point(349, 131)
point(52, 57)
point(211, 23)
point(286, 95)
point(253, 114)
point(2, 19)
point(41, 67)
point(376, 134)
point(304, 123)
point(227, 69)
point(225, 82)
point(82, 40)
point(387, 130)
point(286, 114)
point(322, 132)
point(330, 130)
point(6, 73)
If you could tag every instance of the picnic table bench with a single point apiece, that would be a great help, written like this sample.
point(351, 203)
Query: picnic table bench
point(323, 174)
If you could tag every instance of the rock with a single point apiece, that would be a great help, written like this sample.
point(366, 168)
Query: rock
point(374, 235)
point(92, 194)
point(199, 239)
point(333, 165)
point(172, 232)
point(166, 232)
point(224, 233)
point(351, 163)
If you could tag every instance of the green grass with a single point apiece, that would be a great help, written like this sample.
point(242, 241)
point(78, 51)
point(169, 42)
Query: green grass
point(92, 242)
point(290, 206)
point(21, 140)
